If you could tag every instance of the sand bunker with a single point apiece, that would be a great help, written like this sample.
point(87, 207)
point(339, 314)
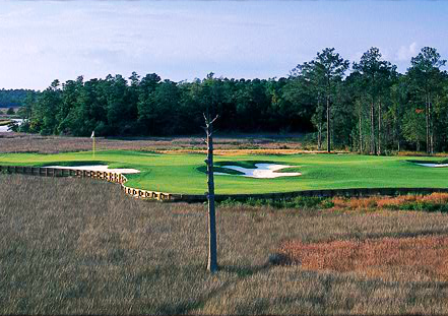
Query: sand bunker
point(421, 258)
point(96, 168)
point(433, 165)
point(262, 171)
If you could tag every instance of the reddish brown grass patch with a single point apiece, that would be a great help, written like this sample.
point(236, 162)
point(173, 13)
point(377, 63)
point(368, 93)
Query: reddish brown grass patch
point(354, 203)
point(386, 202)
point(422, 258)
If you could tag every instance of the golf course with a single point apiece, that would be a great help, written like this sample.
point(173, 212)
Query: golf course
point(185, 173)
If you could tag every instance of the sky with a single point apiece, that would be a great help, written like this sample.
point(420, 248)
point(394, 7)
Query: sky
point(182, 40)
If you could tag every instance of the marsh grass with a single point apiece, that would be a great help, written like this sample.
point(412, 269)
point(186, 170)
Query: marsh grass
point(33, 143)
point(71, 246)
point(435, 202)
point(301, 202)
point(422, 258)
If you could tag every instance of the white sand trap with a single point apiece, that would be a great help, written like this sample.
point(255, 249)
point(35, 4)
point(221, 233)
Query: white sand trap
point(96, 168)
point(262, 171)
point(433, 165)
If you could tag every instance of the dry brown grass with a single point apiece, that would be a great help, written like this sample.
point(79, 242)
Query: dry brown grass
point(17, 142)
point(388, 202)
point(341, 203)
point(71, 246)
point(239, 152)
point(420, 153)
point(423, 258)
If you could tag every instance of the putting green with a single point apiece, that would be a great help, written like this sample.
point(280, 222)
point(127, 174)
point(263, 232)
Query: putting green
point(184, 173)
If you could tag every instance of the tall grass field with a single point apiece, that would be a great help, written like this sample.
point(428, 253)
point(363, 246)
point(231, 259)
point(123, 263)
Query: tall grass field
point(80, 247)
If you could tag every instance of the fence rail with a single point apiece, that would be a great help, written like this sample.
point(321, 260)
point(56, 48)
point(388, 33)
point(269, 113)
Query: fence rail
point(162, 196)
point(101, 175)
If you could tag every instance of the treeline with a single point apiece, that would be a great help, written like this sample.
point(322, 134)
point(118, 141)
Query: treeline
point(366, 106)
point(149, 105)
point(13, 97)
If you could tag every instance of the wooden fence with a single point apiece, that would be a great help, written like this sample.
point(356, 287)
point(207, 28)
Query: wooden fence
point(101, 175)
point(162, 196)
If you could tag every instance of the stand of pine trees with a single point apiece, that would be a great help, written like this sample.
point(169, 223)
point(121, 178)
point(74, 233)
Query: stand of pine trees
point(370, 108)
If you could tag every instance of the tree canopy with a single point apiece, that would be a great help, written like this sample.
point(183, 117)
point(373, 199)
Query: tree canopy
point(370, 109)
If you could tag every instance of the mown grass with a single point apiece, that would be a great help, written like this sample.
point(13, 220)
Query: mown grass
point(71, 246)
point(184, 173)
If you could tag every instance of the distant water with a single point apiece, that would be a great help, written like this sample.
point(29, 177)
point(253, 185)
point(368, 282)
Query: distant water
point(5, 129)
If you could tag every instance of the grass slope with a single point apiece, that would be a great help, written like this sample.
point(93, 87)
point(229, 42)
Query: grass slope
point(184, 173)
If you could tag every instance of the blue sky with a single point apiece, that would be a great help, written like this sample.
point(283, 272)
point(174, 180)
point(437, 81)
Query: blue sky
point(182, 40)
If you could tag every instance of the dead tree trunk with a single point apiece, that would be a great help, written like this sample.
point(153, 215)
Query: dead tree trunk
point(361, 149)
point(328, 125)
point(380, 130)
point(431, 127)
point(212, 262)
point(319, 124)
point(319, 137)
point(372, 128)
point(427, 116)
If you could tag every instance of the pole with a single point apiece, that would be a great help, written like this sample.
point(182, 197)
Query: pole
point(93, 144)
point(212, 263)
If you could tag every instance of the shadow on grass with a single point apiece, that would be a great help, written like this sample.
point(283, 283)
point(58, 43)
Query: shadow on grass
point(76, 163)
point(245, 271)
point(242, 272)
point(361, 236)
point(181, 308)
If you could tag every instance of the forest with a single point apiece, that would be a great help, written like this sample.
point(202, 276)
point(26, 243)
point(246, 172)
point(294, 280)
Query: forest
point(13, 97)
point(365, 106)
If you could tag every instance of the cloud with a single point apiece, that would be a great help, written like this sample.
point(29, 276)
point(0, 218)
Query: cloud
point(43, 40)
point(406, 53)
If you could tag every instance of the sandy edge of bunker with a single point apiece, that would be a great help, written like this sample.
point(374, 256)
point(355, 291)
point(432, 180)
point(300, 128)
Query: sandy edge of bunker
point(101, 168)
point(261, 171)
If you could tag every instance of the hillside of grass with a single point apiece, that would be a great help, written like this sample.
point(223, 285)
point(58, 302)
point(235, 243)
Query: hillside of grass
point(184, 173)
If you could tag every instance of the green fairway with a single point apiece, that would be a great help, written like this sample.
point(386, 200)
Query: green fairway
point(184, 173)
